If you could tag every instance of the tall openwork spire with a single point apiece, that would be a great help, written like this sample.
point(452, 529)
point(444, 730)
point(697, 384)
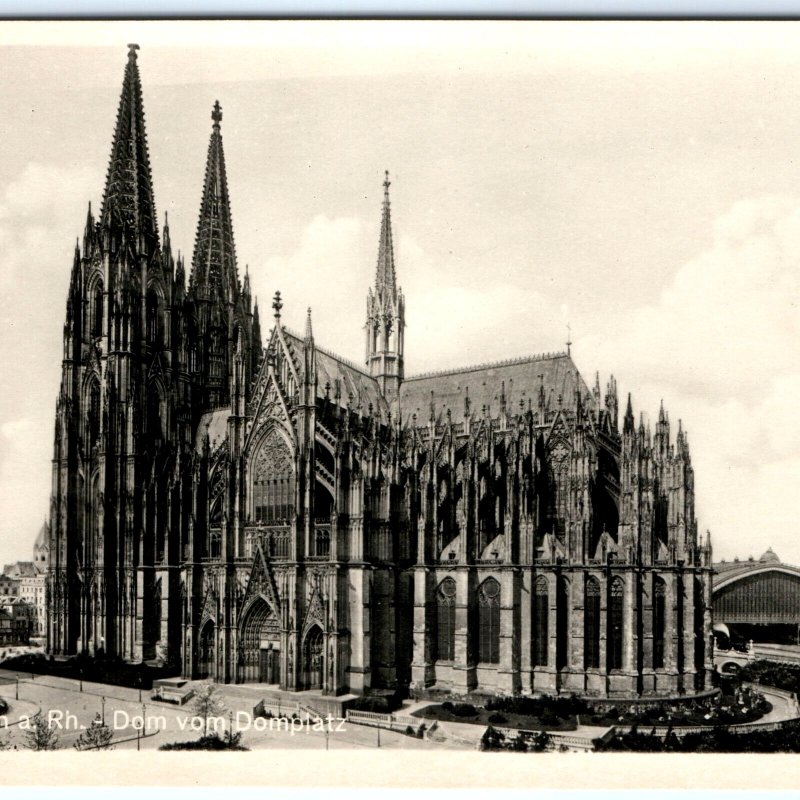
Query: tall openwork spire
point(128, 196)
point(384, 275)
point(214, 262)
point(385, 328)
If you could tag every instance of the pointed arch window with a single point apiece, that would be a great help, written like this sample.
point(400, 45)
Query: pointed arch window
point(153, 318)
point(273, 481)
point(93, 421)
point(562, 622)
point(591, 624)
point(446, 620)
point(489, 622)
point(541, 610)
point(615, 618)
point(97, 311)
point(155, 422)
point(659, 621)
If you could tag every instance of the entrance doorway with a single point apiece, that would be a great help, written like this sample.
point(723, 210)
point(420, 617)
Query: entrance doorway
point(313, 658)
point(269, 666)
point(259, 645)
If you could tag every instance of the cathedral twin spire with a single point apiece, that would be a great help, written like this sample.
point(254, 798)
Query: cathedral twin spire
point(128, 197)
point(214, 261)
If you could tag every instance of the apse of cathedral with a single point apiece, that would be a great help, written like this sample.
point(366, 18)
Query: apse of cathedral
point(269, 512)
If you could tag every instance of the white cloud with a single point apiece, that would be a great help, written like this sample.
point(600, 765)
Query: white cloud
point(723, 347)
point(41, 213)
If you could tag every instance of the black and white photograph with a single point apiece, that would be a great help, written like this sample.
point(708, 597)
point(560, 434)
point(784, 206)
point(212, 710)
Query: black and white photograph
point(413, 387)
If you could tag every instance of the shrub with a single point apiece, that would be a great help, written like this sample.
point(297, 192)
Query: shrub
point(498, 719)
point(210, 742)
point(376, 703)
point(447, 705)
point(549, 717)
point(464, 710)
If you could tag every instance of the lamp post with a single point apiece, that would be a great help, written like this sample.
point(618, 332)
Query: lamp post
point(80, 678)
point(103, 706)
point(16, 693)
point(140, 688)
point(379, 735)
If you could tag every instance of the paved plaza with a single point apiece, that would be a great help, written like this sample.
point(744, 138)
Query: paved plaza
point(74, 705)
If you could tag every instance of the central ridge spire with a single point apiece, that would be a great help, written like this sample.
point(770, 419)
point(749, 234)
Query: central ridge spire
point(214, 262)
point(385, 277)
point(128, 196)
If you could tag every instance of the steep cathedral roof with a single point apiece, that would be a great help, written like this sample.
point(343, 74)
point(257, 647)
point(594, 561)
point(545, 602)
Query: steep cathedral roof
point(341, 377)
point(521, 381)
point(128, 196)
point(214, 261)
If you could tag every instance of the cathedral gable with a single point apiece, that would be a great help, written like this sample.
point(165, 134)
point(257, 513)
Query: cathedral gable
point(315, 612)
point(262, 584)
point(270, 404)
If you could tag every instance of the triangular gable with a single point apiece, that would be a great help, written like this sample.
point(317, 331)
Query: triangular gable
point(156, 370)
point(315, 612)
point(271, 404)
point(277, 339)
point(210, 606)
point(262, 584)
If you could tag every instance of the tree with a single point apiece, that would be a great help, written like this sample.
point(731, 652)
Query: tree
point(5, 744)
point(38, 733)
point(208, 703)
point(95, 737)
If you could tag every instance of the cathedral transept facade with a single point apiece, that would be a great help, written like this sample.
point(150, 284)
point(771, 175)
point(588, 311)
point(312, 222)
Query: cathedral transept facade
point(263, 510)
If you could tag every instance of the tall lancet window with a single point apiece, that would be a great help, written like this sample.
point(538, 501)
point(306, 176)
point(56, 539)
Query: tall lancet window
point(93, 422)
point(591, 624)
point(153, 318)
point(97, 311)
point(273, 481)
point(615, 630)
point(659, 621)
point(541, 610)
point(446, 620)
point(489, 622)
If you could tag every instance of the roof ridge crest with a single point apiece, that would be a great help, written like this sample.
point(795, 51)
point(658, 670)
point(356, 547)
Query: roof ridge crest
point(486, 365)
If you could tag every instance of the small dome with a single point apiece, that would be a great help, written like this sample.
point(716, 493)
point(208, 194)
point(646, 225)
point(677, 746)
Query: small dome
point(769, 557)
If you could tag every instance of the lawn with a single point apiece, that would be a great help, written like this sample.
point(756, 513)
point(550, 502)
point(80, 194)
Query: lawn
point(476, 715)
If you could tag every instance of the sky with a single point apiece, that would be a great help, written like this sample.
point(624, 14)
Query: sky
point(637, 181)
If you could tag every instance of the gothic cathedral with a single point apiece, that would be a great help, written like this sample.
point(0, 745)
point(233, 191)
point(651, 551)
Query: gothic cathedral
point(270, 512)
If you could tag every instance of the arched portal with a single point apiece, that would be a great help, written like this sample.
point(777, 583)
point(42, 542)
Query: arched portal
point(259, 645)
point(205, 660)
point(313, 655)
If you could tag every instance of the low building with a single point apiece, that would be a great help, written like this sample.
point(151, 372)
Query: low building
point(16, 619)
point(26, 580)
point(9, 587)
point(756, 600)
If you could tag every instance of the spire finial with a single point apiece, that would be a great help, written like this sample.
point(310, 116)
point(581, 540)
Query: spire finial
point(309, 332)
point(132, 48)
point(277, 304)
point(216, 113)
point(569, 338)
point(386, 183)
